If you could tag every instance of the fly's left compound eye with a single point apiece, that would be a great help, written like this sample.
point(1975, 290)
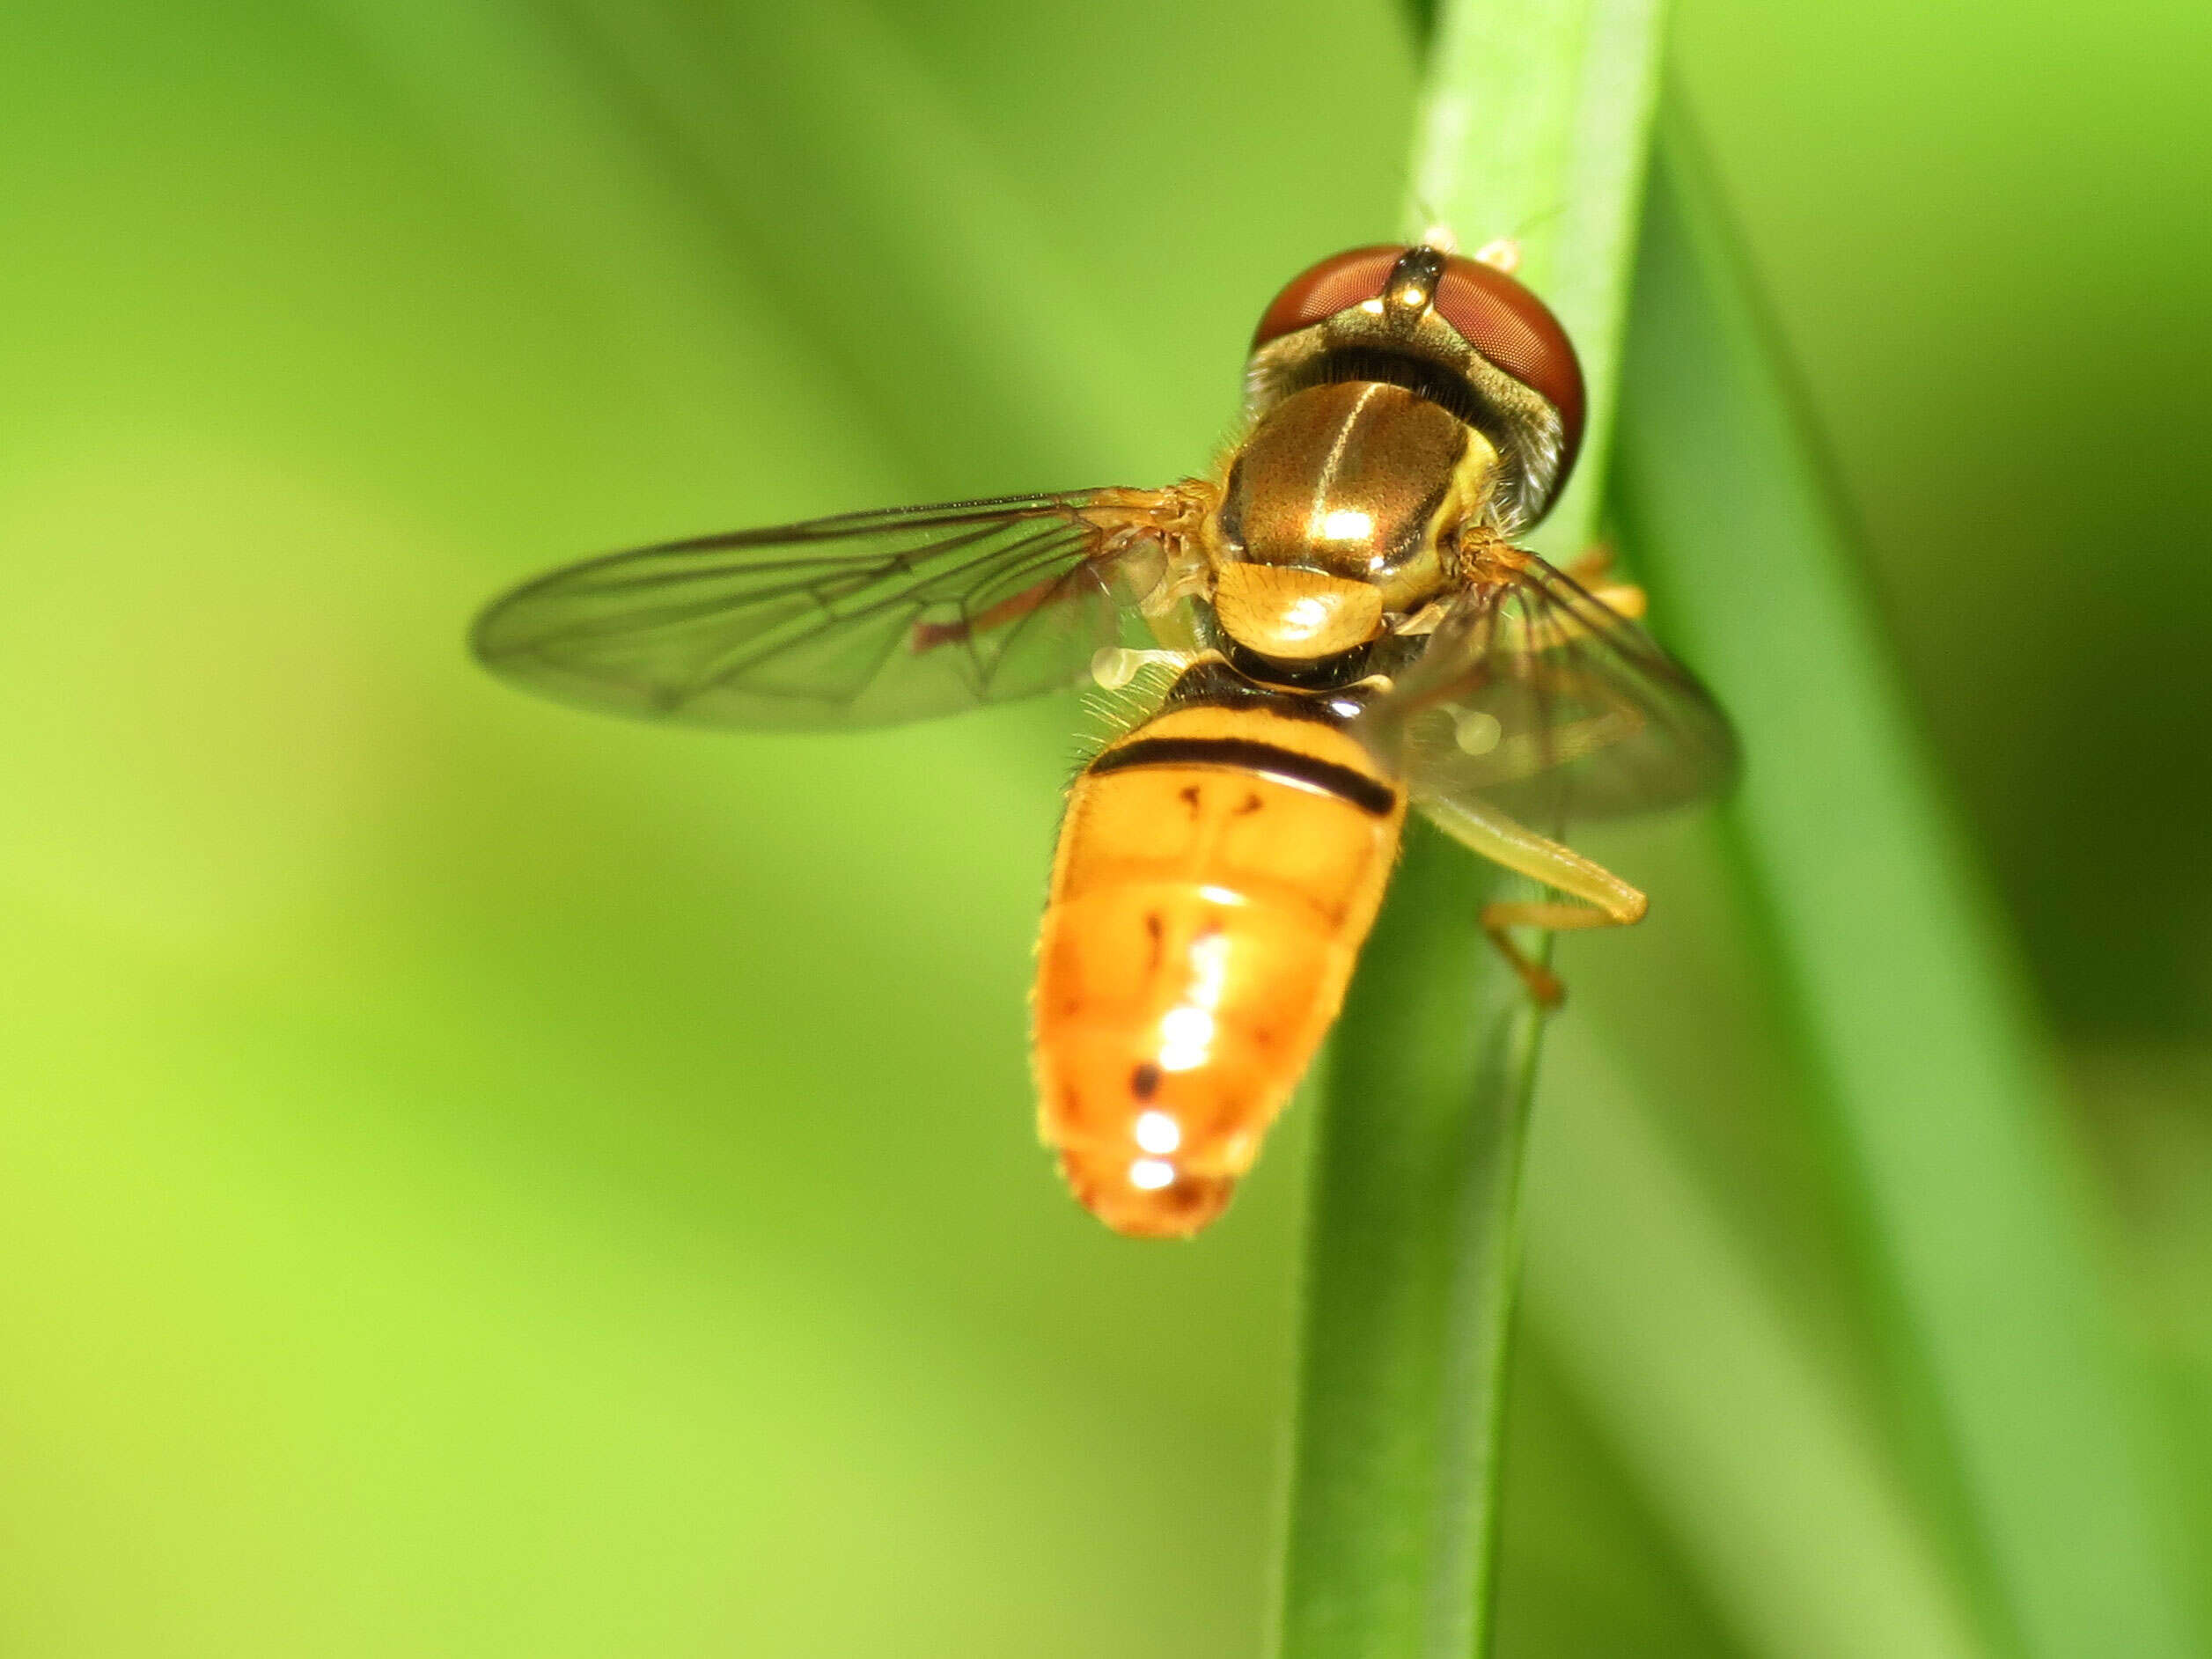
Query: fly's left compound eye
point(1320, 292)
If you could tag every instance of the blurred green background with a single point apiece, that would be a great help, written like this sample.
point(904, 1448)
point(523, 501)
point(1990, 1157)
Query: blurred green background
point(477, 1179)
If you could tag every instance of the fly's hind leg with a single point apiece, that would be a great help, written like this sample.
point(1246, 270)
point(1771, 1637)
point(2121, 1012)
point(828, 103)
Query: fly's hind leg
point(1596, 898)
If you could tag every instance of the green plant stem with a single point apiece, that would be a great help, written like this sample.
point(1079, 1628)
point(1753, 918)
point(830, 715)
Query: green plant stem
point(1410, 1263)
point(1533, 125)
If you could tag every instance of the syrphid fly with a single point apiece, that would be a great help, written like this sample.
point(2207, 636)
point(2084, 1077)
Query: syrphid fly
point(1331, 626)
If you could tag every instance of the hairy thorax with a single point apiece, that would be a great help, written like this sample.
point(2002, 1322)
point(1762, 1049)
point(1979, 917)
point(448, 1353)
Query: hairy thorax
point(1338, 511)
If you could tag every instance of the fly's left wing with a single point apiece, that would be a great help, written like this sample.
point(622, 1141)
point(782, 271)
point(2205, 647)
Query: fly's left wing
point(1536, 698)
point(866, 619)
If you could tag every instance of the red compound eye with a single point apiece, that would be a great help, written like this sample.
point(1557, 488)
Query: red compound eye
point(1513, 328)
point(1494, 314)
point(1327, 289)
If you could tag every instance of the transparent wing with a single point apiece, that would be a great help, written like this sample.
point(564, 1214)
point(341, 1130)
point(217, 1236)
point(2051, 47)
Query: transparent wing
point(1536, 698)
point(868, 618)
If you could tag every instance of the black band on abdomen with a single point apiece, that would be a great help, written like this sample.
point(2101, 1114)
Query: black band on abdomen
point(1245, 755)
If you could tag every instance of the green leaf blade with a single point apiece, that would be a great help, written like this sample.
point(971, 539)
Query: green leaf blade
point(1534, 127)
point(1912, 1018)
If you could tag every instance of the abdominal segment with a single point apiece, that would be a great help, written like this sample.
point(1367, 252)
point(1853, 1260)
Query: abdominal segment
point(1203, 923)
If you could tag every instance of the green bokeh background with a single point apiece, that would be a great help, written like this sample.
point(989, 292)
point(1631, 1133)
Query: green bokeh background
point(476, 1179)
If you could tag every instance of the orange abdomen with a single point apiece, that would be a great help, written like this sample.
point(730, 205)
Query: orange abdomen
point(1218, 870)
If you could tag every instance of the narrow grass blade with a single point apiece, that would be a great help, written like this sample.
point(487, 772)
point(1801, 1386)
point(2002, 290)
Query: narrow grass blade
point(1533, 127)
point(1410, 1264)
point(1762, 1464)
point(1913, 1016)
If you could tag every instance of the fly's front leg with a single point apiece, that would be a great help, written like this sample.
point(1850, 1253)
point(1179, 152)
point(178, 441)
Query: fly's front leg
point(1590, 571)
point(1600, 898)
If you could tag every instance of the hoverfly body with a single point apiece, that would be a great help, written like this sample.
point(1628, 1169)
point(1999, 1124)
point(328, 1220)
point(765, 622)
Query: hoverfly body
point(1339, 626)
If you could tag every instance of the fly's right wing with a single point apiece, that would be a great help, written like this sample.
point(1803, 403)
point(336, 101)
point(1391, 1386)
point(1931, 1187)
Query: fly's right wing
point(866, 619)
point(1534, 698)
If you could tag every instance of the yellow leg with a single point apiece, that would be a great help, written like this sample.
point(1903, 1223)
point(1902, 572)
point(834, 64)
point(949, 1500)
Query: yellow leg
point(1603, 900)
point(1589, 570)
point(1589, 567)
